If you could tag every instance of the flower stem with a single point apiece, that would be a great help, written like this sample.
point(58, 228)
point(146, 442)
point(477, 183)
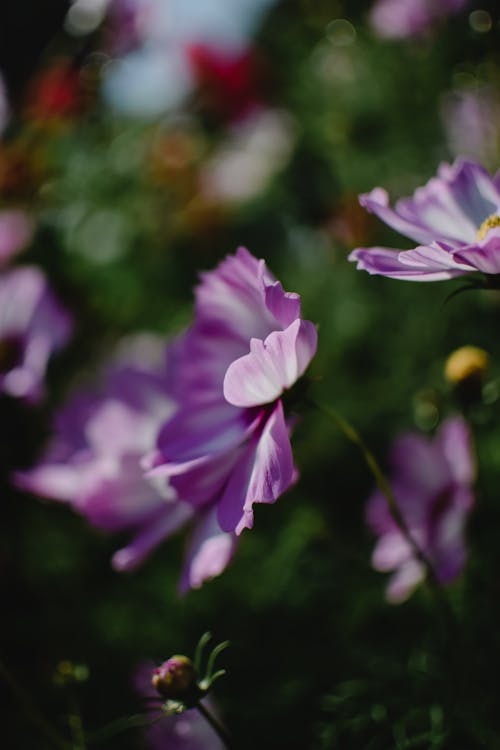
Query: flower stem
point(215, 724)
point(385, 488)
point(76, 725)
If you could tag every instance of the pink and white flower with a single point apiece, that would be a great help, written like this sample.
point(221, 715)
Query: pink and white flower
point(228, 445)
point(432, 484)
point(455, 218)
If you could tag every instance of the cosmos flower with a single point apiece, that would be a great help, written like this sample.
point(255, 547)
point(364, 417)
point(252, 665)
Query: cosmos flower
point(94, 463)
point(455, 217)
point(409, 18)
point(431, 482)
point(208, 426)
point(32, 326)
point(228, 444)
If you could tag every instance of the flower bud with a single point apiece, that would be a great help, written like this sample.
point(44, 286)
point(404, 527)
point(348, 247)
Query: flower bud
point(175, 679)
point(464, 370)
point(468, 362)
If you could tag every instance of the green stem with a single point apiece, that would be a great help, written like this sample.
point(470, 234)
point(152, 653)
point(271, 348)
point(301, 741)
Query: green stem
point(199, 650)
point(215, 724)
point(32, 712)
point(76, 725)
point(385, 488)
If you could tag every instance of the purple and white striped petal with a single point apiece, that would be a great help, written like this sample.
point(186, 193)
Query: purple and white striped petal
point(377, 202)
point(233, 296)
point(484, 256)
point(421, 264)
point(271, 366)
point(209, 553)
point(264, 471)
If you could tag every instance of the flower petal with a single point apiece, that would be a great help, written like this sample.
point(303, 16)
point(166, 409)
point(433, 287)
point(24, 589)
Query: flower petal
point(261, 376)
point(173, 517)
point(424, 263)
point(455, 442)
point(391, 551)
point(484, 256)
point(377, 202)
point(404, 581)
point(450, 208)
point(210, 551)
point(285, 306)
point(262, 474)
point(233, 296)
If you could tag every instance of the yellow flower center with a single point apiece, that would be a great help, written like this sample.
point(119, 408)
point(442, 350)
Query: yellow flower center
point(489, 223)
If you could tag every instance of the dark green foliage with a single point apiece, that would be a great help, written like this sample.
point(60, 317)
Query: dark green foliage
point(318, 659)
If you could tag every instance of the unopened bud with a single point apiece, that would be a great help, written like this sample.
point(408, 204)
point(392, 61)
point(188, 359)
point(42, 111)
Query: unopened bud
point(465, 369)
point(175, 679)
point(468, 362)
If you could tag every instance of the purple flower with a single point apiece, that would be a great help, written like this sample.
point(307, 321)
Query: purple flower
point(94, 462)
point(32, 326)
point(208, 426)
point(228, 445)
point(187, 731)
point(455, 217)
point(408, 18)
point(431, 483)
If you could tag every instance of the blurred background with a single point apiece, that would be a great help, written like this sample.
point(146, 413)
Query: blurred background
point(144, 140)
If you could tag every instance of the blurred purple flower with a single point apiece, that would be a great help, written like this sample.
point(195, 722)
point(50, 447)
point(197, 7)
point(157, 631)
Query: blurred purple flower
point(456, 217)
point(16, 229)
point(471, 120)
point(408, 18)
point(228, 446)
point(208, 426)
point(431, 482)
point(94, 462)
point(32, 326)
point(186, 731)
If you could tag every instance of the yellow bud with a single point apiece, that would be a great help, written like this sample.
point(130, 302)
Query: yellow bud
point(466, 363)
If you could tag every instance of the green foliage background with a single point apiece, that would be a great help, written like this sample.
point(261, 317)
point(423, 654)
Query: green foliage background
point(318, 659)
